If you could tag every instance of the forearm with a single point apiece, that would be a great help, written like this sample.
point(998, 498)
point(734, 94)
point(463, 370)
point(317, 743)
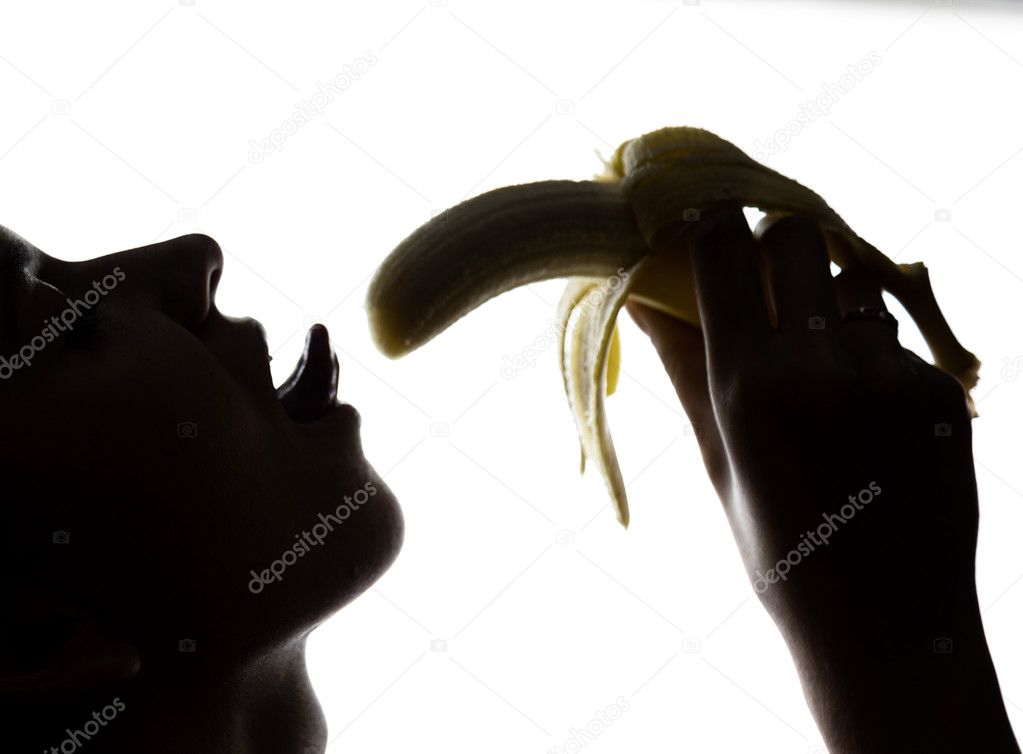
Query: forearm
point(879, 688)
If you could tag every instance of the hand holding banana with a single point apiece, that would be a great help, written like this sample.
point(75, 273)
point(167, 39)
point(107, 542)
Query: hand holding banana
point(609, 237)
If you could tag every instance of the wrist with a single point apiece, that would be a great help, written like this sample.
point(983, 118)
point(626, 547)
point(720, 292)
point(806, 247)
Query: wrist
point(888, 685)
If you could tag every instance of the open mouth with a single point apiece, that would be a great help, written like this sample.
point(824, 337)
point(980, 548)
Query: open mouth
point(311, 390)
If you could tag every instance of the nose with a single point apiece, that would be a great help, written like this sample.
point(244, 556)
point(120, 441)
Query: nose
point(185, 274)
point(178, 277)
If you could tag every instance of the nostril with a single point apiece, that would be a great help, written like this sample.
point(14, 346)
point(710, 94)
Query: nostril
point(215, 274)
point(201, 268)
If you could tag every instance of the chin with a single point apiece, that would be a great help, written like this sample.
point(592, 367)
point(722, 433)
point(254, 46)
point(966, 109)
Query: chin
point(346, 559)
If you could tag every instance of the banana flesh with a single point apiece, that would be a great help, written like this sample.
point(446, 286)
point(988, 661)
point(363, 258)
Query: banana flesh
point(495, 242)
point(609, 237)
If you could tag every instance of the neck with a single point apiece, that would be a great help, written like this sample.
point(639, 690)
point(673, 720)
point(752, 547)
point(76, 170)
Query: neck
point(195, 703)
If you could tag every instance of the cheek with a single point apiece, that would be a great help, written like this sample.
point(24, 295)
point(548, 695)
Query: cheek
point(181, 456)
point(165, 396)
point(197, 485)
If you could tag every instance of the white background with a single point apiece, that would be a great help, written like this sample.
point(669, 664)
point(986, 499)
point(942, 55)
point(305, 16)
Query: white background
point(128, 122)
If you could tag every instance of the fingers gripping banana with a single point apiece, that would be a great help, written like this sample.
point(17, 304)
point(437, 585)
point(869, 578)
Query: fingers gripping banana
point(608, 237)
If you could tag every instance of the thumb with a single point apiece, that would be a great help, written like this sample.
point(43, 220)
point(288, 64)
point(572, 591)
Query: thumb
point(682, 352)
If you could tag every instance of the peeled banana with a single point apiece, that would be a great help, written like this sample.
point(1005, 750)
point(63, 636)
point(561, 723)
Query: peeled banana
point(607, 236)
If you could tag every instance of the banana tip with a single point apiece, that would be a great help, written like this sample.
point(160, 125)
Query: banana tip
point(383, 333)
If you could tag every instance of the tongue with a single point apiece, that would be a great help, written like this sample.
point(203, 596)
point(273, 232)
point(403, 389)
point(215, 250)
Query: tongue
point(312, 388)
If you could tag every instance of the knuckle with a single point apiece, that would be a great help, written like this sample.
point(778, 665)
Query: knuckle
point(788, 231)
point(943, 390)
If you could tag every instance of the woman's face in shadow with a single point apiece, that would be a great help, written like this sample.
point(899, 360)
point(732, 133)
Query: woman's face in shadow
point(158, 477)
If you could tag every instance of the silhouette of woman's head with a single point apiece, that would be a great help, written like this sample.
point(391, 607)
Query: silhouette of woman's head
point(163, 504)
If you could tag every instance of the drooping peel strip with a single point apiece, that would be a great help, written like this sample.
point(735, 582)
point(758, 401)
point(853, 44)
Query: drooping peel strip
point(591, 231)
point(573, 343)
point(570, 349)
point(587, 372)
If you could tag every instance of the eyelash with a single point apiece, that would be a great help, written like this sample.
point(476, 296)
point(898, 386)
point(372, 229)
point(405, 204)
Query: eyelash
point(85, 327)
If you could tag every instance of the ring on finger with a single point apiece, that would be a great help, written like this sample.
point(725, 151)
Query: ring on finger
point(872, 314)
